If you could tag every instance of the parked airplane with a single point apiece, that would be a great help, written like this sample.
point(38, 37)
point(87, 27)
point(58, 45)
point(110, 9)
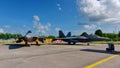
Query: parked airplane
point(71, 40)
point(28, 38)
point(68, 38)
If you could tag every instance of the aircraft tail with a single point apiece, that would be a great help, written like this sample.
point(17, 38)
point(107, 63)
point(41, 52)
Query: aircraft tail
point(69, 34)
point(29, 32)
point(61, 34)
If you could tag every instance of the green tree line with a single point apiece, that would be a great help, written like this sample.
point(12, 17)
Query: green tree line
point(112, 36)
point(9, 36)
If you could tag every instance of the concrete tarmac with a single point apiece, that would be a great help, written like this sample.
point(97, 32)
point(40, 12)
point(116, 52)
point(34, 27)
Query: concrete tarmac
point(56, 56)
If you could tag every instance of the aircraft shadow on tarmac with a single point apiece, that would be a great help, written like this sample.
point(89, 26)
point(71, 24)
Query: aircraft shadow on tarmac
point(100, 51)
point(67, 44)
point(15, 46)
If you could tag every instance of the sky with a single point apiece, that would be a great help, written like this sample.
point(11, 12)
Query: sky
point(46, 17)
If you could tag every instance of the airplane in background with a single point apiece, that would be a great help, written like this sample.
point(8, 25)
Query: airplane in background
point(73, 40)
point(96, 38)
point(28, 38)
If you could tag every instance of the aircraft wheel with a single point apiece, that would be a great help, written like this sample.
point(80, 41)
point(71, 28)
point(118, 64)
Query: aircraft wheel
point(88, 43)
point(69, 43)
point(74, 43)
point(26, 44)
point(36, 43)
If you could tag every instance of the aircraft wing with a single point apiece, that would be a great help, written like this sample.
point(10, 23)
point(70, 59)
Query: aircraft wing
point(96, 38)
point(81, 37)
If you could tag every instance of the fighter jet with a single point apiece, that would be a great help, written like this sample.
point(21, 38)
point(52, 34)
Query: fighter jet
point(28, 38)
point(73, 40)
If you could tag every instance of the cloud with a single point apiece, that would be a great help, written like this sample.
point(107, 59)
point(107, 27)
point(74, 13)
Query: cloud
point(47, 26)
point(36, 18)
point(58, 4)
point(39, 28)
point(89, 25)
point(105, 11)
point(59, 7)
point(7, 26)
point(1, 30)
point(92, 26)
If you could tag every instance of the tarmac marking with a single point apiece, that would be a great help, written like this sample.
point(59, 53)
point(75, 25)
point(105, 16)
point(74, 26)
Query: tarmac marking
point(101, 61)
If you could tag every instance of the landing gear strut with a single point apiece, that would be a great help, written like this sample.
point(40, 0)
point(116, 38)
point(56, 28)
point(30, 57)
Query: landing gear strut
point(26, 43)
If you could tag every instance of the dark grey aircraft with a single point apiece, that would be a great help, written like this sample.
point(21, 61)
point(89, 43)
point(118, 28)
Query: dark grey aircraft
point(73, 40)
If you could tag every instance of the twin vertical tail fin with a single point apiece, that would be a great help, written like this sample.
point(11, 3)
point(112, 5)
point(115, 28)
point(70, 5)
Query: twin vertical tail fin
point(69, 34)
point(62, 35)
